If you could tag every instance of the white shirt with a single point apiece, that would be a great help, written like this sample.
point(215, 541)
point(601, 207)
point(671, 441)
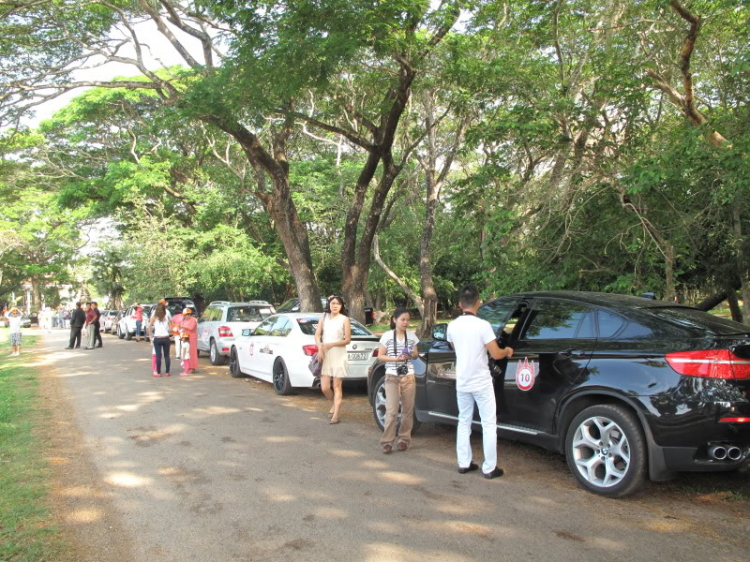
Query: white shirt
point(161, 328)
point(469, 335)
point(387, 341)
point(14, 322)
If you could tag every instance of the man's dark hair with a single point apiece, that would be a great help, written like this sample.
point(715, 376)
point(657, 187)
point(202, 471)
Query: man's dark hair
point(94, 303)
point(468, 295)
point(78, 305)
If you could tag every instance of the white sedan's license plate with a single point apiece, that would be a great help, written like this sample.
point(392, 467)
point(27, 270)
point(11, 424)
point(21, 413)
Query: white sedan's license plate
point(358, 356)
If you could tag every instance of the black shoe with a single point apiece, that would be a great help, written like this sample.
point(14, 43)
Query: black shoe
point(97, 346)
point(497, 473)
point(472, 466)
point(69, 347)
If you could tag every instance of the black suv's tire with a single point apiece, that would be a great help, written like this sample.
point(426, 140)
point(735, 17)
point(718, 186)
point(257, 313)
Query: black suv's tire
point(378, 406)
point(280, 377)
point(234, 364)
point(214, 356)
point(606, 450)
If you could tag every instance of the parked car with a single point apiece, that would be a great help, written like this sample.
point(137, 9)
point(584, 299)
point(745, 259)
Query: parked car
point(126, 325)
point(108, 319)
point(222, 320)
point(280, 348)
point(626, 388)
point(175, 305)
point(26, 321)
point(293, 305)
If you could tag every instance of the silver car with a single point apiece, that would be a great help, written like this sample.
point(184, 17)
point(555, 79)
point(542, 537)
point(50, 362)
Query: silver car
point(223, 321)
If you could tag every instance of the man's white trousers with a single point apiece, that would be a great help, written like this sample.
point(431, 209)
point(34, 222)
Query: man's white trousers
point(485, 401)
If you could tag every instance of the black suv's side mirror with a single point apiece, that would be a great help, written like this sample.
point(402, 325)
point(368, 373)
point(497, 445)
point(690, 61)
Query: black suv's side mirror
point(440, 332)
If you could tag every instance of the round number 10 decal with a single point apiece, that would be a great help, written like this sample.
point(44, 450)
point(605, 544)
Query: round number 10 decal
point(525, 374)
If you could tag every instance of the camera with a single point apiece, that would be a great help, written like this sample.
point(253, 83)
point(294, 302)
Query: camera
point(402, 370)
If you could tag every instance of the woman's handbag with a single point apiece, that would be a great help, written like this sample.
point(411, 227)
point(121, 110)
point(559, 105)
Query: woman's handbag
point(315, 365)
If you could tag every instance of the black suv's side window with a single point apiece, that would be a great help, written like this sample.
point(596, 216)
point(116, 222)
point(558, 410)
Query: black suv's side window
point(559, 320)
point(609, 323)
point(497, 313)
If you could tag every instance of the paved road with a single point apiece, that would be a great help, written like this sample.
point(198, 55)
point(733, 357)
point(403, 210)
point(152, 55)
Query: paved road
point(210, 468)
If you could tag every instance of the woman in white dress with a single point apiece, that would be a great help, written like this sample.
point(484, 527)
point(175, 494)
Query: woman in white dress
point(332, 335)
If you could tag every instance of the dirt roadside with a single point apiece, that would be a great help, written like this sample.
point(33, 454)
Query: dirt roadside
point(695, 505)
point(87, 518)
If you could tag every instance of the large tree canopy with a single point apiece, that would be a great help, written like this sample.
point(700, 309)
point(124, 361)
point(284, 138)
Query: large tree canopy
point(567, 144)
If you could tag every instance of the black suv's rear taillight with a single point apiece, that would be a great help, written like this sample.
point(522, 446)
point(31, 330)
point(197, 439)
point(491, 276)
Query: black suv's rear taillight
point(710, 363)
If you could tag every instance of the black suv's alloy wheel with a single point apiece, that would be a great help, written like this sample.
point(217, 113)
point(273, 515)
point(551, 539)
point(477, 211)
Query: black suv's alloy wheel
point(606, 450)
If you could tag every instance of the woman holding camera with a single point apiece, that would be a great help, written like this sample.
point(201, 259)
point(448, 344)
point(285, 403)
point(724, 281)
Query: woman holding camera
point(397, 348)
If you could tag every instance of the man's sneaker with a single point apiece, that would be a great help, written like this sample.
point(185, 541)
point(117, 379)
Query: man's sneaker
point(497, 473)
point(471, 467)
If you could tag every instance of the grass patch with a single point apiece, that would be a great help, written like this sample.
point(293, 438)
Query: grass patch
point(28, 532)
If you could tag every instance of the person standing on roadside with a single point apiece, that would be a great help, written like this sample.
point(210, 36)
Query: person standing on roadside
point(61, 317)
point(44, 319)
point(15, 318)
point(332, 335)
point(176, 319)
point(88, 326)
point(472, 338)
point(77, 320)
point(397, 348)
point(97, 325)
point(160, 326)
point(138, 315)
point(189, 331)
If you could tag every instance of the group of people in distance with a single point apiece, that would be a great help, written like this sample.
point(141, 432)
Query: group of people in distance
point(85, 322)
point(472, 339)
point(162, 326)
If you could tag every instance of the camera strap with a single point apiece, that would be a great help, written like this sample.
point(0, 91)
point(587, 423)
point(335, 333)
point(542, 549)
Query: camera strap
point(395, 346)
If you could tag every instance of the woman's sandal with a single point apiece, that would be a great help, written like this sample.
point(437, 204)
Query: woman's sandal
point(334, 421)
point(387, 448)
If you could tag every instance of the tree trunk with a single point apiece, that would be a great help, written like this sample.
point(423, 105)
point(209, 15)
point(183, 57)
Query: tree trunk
point(745, 291)
point(669, 262)
point(734, 305)
point(293, 236)
point(742, 268)
point(36, 295)
point(279, 205)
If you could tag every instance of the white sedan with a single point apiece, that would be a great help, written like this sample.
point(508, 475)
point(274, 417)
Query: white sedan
point(280, 348)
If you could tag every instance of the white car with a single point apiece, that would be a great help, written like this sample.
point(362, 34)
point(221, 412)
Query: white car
point(280, 348)
point(108, 320)
point(126, 326)
point(223, 320)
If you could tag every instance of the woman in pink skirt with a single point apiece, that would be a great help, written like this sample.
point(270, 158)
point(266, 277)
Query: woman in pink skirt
point(189, 326)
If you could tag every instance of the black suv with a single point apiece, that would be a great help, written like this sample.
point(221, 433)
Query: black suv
point(625, 387)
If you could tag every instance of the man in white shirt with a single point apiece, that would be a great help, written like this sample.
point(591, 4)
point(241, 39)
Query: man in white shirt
point(472, 338)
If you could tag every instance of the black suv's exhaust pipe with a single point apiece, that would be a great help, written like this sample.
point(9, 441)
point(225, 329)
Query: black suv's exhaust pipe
point(719, 452)
point(734, 453)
